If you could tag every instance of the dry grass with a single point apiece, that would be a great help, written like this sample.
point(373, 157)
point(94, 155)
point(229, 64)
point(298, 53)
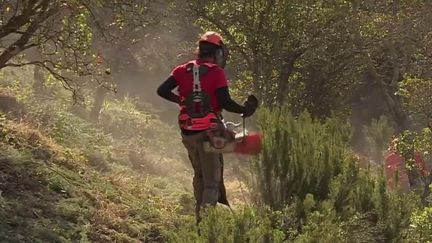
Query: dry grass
point(22, 135)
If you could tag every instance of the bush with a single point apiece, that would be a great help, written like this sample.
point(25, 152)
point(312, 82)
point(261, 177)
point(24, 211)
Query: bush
point(413, 146)
point(420, 229)
point(306, 165)
point(322, 227)
point(220, 225)
point(300, 156)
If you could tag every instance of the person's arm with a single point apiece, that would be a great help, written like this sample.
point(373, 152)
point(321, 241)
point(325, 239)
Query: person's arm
point(227, 103)
point(166, 88)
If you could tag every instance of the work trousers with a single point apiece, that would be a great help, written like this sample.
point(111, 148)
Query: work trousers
point(208, 182)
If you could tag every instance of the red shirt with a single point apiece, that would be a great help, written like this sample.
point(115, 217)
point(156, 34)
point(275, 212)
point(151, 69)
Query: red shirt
point(211, 81)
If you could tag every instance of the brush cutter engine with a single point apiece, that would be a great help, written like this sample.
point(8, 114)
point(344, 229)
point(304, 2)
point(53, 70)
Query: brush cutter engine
point(225, 139)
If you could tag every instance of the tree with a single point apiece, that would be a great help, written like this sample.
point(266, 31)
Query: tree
point(324, 56)
point(269, 38)
point(416, 94)
point(65, 33)
point(392, 37)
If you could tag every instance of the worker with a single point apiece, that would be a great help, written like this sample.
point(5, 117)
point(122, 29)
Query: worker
point(202, 94)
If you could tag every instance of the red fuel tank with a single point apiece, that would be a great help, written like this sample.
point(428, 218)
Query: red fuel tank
point(250, 144)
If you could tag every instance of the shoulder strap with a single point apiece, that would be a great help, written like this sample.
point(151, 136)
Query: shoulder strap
point(196, 78)
point(197, 102)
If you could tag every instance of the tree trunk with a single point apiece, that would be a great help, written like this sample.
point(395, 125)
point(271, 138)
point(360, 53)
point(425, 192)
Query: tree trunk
point(38, 84)
point(287, 69)
point(98, 102)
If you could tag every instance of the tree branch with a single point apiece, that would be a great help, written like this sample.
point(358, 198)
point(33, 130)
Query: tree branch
point(43, 64)
point(16, 22)
point(18, 45)
point(226, 33)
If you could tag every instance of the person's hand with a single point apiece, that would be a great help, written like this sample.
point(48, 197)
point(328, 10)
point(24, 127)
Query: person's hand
point(251, 104)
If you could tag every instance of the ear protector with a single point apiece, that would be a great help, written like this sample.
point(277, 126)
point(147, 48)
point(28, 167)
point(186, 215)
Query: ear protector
point(221, 56)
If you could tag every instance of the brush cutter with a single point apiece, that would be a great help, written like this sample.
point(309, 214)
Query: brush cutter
point(225, 139)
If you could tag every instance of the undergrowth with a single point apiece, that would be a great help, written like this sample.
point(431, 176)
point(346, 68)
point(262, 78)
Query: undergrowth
point(49, 193)
point(65, 178)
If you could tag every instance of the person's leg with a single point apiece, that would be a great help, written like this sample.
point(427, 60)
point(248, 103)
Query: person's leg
point(198, 192)
point(211, 170)
point(207, 172)
point(190, 143)
point(222, 191)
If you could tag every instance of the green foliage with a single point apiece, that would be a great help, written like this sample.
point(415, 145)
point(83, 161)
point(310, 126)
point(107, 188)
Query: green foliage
point(70, 201)
point(67, 128)
point(299, 156)
point(326, 196)
point(66, 38)
point(410, 142)
point(244, 225)
point(322, 227)
point(396, 216)
point(306, 54)
point(269, 41)
point(71, 180)
point(306, 164)
point(353, 190)
point(420, 229)
point(309, 220)
point(416, 95)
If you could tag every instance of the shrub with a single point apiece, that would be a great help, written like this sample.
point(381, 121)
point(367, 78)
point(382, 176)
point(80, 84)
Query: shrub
point(420, 229)
point(300, 156)
point(244, 225)
point(306, 165)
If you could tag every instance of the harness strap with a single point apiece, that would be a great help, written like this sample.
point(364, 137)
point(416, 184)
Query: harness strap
point(196, 78)
point(197, 113)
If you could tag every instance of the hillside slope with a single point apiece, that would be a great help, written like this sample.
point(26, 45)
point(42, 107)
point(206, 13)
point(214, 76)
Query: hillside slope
point(65, 177)
point(70, 180)
point(51, 194)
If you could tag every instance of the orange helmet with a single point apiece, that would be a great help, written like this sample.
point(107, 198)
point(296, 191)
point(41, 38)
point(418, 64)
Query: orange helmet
point(212, 37)
point(216, 39)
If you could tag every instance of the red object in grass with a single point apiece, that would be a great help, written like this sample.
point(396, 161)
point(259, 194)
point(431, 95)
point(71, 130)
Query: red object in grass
point(394, 163)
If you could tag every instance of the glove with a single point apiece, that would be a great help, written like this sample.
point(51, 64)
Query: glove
point(250, 105)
